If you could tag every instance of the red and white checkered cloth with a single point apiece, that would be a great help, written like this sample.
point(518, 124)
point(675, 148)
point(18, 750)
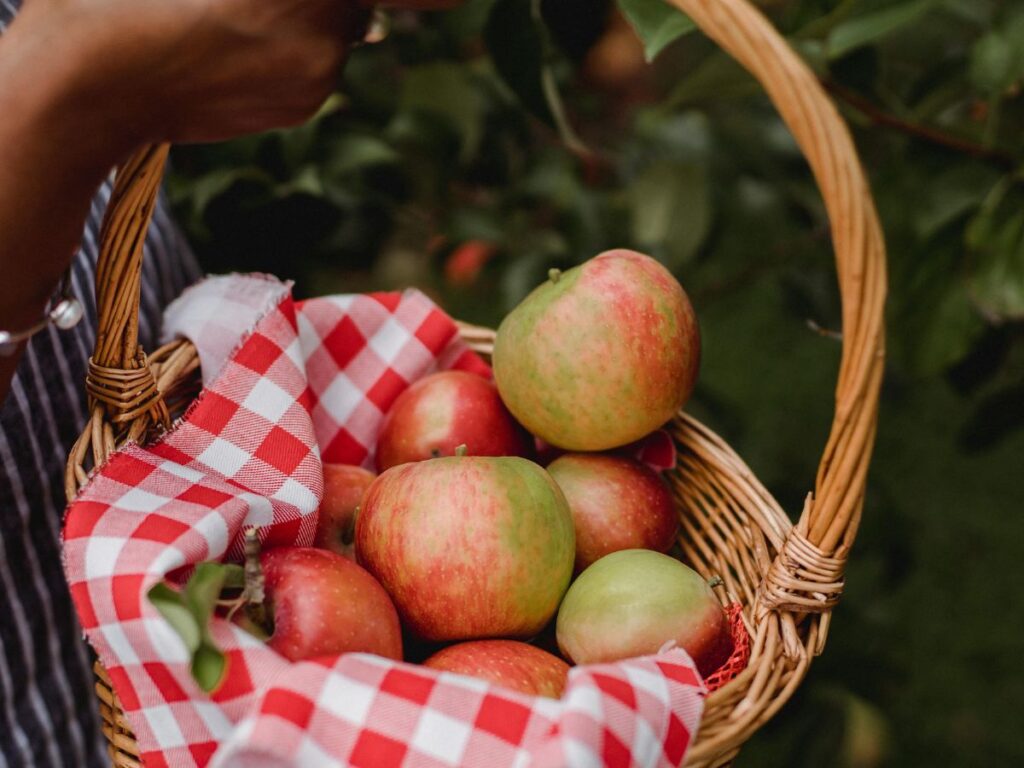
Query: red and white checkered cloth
point(312, 381)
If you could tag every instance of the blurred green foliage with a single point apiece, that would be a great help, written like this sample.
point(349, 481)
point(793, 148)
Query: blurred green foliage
point(537, 133)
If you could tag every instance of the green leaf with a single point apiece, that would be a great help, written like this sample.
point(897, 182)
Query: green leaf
point(997, 282)
point(353, 153)
point(210, 186)
point(671, 210)
point(468, 223)
point(971, 11)
point(657, 23)
point(716, 78)
point(1014, 32)
point(675, 136)
point(208, 667)
point(298, 143)
point(992, 64)
point(820, 25)
point(952, 326)
point(980, 230)
point(872, 27)
point(466, 21)
point(201, 594)
point(172, 607)
point(951, 196)
point(525, 54)
point(203, 590)
point(189, 613)
point(447, 91)
point(305, 182)
point(516, 45)
point(555, 181)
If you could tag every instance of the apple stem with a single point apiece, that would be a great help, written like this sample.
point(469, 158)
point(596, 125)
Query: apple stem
point(716, 581)
point(461, 450)
point(254, 593)
point(554, 275)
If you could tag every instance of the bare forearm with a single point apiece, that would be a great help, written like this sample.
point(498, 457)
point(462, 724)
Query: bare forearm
point(55, 149)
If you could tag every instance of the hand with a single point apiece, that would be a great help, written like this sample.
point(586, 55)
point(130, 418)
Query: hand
point(197, 70)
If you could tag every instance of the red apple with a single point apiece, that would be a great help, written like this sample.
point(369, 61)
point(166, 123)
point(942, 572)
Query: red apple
point(630, 603)
point(468, 546)
point(509, 663)
point(322, 604)
point(466, 262)
point(617, 503)
point(344, 486)
point(601, 355)
point(442, 411)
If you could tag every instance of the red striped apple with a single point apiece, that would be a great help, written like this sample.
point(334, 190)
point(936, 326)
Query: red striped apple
point(631, 603)
point(442, 411)
point(509, 663)
point(344, 486)
point(319, 603)
point(600, 355)
point(468, 546)
point(616, 503)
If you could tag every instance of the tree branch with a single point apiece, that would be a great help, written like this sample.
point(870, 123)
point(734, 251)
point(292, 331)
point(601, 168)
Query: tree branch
point(933, 136)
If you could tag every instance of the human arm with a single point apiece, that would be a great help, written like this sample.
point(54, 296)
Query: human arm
point(84, 83)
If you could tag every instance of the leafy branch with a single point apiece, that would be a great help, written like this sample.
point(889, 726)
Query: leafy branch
point(550, 87)
point(880, 117)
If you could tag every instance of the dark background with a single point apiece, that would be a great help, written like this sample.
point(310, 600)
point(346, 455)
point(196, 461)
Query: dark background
point(439, 164)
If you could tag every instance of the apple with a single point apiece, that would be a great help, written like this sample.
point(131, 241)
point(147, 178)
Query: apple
point(442, 411)
point(319, 603)
point(631, 603)
point(616, 62)
point(616, 503)
point(601, 355)
point(466, 262)
point(468, 546)
point(344, 486)
point(508, 663)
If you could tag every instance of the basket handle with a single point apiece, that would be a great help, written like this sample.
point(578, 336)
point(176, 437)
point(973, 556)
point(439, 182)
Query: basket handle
point(832, 515)
point(119, 376)
point(121, 381)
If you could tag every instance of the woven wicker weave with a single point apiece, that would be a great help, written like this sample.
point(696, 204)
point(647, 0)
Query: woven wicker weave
point(787, 577)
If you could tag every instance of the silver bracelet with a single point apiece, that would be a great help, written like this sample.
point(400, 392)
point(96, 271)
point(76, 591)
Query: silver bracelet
point(65, 311)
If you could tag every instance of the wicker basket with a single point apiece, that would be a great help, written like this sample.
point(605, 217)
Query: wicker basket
point(787, 577)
